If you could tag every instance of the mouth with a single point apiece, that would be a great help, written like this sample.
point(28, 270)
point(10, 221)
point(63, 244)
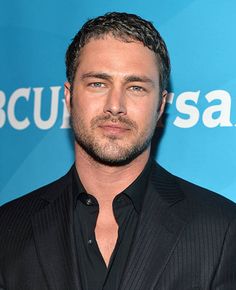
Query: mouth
point(114, 129)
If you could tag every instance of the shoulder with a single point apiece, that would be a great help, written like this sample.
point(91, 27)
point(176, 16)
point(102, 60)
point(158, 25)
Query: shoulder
point(206, 197)
point(199, 200)
point(27, 204)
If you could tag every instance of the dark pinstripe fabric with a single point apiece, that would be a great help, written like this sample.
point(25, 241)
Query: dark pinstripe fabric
point(186, 239)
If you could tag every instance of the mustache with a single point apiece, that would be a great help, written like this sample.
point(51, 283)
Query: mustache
point(100, 120)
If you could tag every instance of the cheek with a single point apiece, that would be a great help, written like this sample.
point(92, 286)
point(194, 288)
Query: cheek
point(151, 120)
point(86, 114)
point(81, 107)
point(87, 104)
point(147, 113)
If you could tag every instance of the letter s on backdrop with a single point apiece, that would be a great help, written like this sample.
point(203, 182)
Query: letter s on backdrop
point(187, 109)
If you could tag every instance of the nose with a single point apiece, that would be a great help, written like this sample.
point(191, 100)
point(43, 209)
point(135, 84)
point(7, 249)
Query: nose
point(115, 102)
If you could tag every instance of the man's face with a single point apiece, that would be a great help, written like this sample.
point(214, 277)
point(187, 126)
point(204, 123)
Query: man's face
point(115, 100)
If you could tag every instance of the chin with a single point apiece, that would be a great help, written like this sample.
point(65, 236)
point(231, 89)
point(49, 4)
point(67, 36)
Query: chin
point(116, 160)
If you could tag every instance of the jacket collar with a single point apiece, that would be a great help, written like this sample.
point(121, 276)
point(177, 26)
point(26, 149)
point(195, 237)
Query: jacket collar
point(162, 221)
point(54, 237)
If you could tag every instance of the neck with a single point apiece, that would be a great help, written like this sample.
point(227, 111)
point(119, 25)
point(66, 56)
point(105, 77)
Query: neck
point(103, 181)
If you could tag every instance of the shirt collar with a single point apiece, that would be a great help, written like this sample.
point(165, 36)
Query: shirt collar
point(135, 191)
point(78, 187)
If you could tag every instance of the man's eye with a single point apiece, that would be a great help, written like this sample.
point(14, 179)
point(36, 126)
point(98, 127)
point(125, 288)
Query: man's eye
point(137, 89)
point(97, 85)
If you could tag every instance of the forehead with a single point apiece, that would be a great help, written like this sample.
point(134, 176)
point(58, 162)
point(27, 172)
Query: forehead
point(114, 55)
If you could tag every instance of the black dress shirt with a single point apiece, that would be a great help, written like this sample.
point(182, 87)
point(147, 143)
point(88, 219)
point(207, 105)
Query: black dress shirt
point(93, 272)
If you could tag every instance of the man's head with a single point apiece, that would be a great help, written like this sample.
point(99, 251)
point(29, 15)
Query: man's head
point(117, 70)
point(123, 26)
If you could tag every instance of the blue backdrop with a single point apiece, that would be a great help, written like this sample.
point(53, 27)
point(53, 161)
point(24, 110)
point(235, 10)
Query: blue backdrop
point(200, 133)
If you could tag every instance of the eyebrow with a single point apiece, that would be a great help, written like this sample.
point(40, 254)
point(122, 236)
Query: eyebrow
point(97, 75)
point(137, 78)
point(128, 78)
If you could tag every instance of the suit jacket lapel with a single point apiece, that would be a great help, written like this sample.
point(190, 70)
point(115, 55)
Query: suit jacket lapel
point(160, 226)
point(53, 233)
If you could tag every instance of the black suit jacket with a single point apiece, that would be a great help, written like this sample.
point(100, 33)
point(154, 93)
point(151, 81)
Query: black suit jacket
point(186, 239)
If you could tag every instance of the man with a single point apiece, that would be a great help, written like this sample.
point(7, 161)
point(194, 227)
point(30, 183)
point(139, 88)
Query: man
point(117, 220)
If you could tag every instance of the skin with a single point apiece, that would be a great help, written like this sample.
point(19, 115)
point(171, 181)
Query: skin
point(115, 107)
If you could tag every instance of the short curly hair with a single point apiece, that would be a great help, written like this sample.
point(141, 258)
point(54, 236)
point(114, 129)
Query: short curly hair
point(126, 27)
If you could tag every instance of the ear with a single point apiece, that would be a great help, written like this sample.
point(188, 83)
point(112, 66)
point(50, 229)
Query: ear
point(162, 104)
point(67, 95)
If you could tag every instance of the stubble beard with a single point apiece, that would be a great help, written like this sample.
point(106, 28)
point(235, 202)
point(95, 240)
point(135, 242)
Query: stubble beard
point(110, 152)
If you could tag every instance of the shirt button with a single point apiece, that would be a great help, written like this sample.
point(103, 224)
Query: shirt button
point(89, 201)
point(90, 242)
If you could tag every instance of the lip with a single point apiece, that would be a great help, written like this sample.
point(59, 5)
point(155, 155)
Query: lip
point(114, 128)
